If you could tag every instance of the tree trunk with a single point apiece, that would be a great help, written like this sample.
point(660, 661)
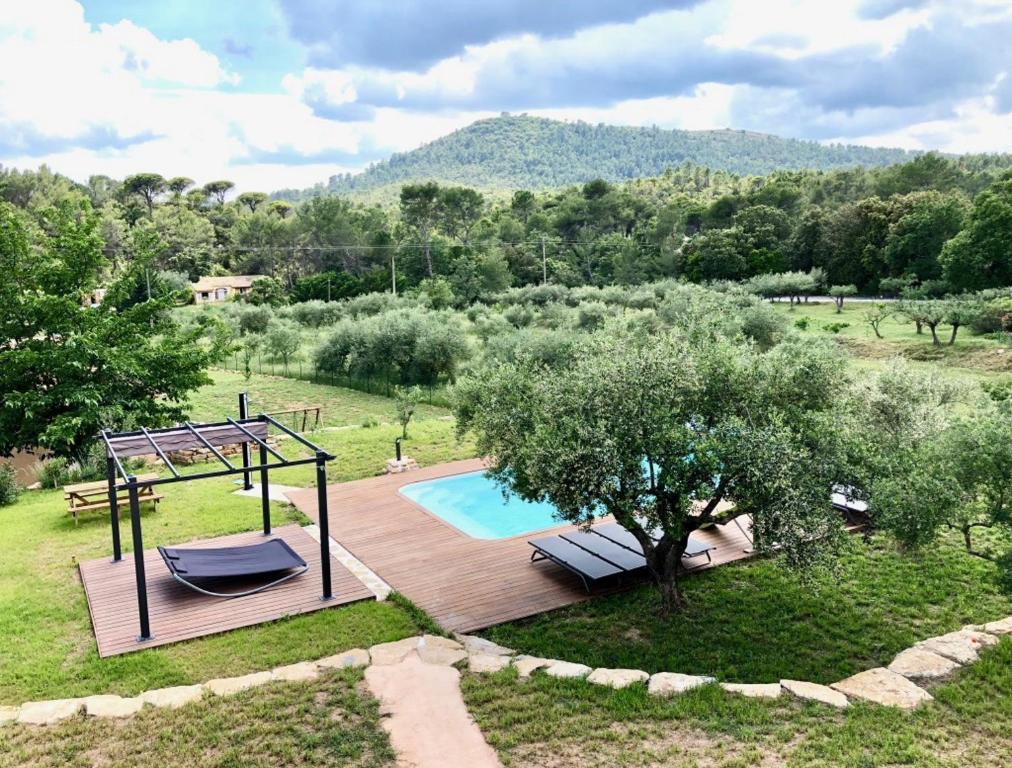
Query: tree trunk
point(934, 335)
point(664, 563)
point(428, 259)
point(920, 326)
point(952, 338)
point(874, 327)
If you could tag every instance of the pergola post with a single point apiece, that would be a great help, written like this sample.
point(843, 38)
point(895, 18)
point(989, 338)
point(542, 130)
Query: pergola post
point(247, 477)
point(265, 494)
point(110, 473)
point(321, 497)
point(138, 544)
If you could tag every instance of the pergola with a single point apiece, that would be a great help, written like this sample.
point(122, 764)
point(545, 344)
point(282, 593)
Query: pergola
point(189, 436)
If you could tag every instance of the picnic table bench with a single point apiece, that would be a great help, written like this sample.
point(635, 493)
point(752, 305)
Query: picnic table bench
point(82, 497)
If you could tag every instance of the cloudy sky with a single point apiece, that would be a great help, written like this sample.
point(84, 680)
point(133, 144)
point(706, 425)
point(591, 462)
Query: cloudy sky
point(279, 93)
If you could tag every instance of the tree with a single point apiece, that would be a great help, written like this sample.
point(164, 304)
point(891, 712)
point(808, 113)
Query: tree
point(177, 185)
point(266, 290)
point(839, 293)
point(67, 370)
point(218, 190)
point(660, 430)
point(523, 204)
point(875, 314)
point(979, 256)
point(460, 208)
point(280, 208)
point(421, 207)
point(926, 312)
point(147, 186)
point(283, 341)
point(406, 400)
point(252, 200)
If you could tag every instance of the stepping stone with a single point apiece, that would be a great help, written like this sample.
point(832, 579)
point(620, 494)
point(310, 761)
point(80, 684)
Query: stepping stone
point(1000, 627)
point(815, 692)
point(670, 683)
point(526, 665)
point(48, 712)
point(475, 644)
point(174, 697)
point(567, 669)
point(356, 657)
point(8, 714)
point(486, 662)
point(112, 706)
point(392, 653)
point(881, 686)
point(433, 649)
point(296, 673)
point(922, 663)
point(425, 715)
point(754, 690)
point(617, 678)
point(226, 686)
point(963, 646)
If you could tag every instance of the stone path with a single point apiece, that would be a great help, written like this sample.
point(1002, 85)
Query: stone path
point(424, 714)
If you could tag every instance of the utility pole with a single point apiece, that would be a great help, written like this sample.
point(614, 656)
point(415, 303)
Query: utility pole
point(544, 263)
point(328, 287)
point(393, 271)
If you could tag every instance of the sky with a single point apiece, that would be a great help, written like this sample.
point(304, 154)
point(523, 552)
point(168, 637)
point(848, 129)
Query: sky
point(285, 93)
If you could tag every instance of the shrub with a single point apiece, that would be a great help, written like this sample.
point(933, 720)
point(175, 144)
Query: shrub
point(802, 323)
point(763, 324)
point(314, 313)
point(835, 327)
point(591, 315)
point(9, 488)
point(519, 316)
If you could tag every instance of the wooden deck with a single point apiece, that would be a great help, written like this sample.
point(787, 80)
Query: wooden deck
point(178, 613)
point(464, 583)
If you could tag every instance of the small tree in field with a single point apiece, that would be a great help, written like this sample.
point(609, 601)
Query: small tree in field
point(283, 341)
point(839, 293)
point(407, 400)
point(875, 315)
point(669, 436)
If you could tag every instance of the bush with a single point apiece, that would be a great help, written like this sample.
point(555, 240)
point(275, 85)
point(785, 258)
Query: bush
point(591, 316)
point(314, 313)
point(9, 488)
point(802, 323)
point(763, 325)
point(835, 327)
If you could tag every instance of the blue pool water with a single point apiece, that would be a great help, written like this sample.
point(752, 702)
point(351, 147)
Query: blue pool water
point(474, 504)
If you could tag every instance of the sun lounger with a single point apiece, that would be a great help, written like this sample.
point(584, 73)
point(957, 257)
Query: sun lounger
point(602, 551)
point(232, 563)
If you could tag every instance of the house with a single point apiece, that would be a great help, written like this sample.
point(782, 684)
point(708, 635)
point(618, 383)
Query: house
point(93, 298)
point(214, 289)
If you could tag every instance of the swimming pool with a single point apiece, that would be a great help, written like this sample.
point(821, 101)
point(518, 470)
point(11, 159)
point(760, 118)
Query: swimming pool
point(474, 504)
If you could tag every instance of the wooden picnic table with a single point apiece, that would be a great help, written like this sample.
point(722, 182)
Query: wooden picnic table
point(82, 497)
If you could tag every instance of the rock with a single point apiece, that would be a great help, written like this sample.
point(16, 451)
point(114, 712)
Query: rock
point(881, 686)
point(527, 664)
point(226, 686)
point(920, 662)
point(617, 678)
point(296, 673)
point(1000, 627)
point(566, 669)
point(433, 649)
point(48, 712)
point(754, 690)
point(356, 657)
point(174, 697)
point(392, 653)
point(475, 644)
point(112, 706)
point(8, 714)
point(486, 662)
point(963, 646)
point(815, 692)
point(669, 683)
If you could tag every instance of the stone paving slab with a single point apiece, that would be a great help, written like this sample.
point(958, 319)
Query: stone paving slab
point(617, 678)
point(392, 653)
point(669, 683)
point(922, 663)
point(881, 686)
point(526, 665)
point(227, 686)
point(48, 712)
point(304, 671)
point(112, 706)
point(356, 657)
point(174, 697)
point(754, 690)
point(567, 669)
point(815, 692)
point(962, 646)
point(1000, 627)
point(487, 662)
point(9, 714)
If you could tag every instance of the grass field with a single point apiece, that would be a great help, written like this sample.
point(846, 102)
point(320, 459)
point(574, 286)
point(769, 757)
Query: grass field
point(567, 724)
point(340, 406)
point(46, 643)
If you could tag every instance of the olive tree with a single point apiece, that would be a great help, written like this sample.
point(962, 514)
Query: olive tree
point(840, 292)
point(670, 435)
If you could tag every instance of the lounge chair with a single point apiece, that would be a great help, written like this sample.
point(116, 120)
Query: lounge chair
point(270, 557)
point(602, 551)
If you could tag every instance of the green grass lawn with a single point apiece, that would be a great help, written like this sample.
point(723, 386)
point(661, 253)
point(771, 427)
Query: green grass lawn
point(324, 723)
point(46, 644)
point(570, 724)
point(341, 406)
point(754, 622)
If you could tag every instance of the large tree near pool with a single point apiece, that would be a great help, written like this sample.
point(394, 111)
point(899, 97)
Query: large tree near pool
point(672, 431)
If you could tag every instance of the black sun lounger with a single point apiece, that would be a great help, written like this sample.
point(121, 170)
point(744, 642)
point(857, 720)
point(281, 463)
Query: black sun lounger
point(602, 551)
point(270, 557)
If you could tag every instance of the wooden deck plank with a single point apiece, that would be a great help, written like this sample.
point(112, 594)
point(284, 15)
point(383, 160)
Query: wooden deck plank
point(178, 613)
point(464, 583)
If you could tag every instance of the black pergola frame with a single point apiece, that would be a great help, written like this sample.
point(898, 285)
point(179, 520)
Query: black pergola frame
point(211, 436)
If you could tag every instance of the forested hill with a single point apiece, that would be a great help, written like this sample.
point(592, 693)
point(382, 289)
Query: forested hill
point(522, 152)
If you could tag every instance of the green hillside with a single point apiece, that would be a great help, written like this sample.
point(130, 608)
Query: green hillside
point(519, 151)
